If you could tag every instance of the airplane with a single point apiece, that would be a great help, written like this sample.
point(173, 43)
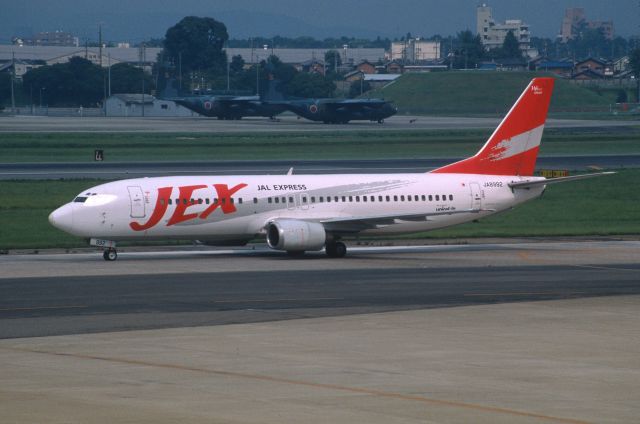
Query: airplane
point(230, 107)
point(340, 111)
point(298, 213)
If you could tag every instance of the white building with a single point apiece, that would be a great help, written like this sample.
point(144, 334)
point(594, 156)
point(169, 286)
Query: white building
point(415, 50)
point(493, 33)
point(124, 105)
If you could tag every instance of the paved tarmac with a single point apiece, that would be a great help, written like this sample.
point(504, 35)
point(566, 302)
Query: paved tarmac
point(284, 123)
point(409, 334)
point(113, 170)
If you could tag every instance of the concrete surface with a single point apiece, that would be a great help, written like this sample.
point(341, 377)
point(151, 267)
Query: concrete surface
point(284, 123)
point(563, 361)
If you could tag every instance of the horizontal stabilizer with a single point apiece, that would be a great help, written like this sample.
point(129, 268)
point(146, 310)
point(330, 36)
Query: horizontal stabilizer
point(533, 183)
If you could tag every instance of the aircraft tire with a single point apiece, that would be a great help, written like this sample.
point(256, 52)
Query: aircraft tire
point(336, 249)
point(110, 255)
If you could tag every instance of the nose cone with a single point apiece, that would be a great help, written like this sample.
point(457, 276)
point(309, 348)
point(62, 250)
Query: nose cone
point(62, 218)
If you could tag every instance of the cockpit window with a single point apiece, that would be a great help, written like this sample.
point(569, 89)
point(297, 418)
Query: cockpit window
point(80, 199)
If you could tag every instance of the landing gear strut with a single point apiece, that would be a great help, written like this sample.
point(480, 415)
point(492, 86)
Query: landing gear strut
point(110, 254)
point(336, 249)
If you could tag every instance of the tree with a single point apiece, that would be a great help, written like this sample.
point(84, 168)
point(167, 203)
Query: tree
point(5, 88)
point(198, 44)
point(77, 82)
point(511, 47)
point(310, 85)
point(237, 64)
point(126, 78)
point(469, 50)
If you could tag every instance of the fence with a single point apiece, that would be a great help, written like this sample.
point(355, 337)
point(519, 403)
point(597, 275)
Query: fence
point(57, 111)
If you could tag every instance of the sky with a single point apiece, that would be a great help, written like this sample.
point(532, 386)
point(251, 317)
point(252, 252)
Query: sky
point(137, 20)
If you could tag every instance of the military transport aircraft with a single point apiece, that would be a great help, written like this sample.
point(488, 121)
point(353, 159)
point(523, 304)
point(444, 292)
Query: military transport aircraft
point(297, 213)
point(230, 107)
point(340, 111)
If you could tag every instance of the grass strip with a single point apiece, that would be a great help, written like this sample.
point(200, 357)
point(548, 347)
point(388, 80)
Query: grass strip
point(79, 147)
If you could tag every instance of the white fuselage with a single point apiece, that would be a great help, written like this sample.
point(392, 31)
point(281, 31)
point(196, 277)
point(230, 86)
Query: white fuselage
point(237, 208)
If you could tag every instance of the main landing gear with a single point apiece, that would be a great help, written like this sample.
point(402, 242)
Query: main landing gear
point(336, 249)
point(110, 254)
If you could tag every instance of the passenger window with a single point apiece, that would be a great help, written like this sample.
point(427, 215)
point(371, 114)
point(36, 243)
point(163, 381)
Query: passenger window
point(284, 200)
point(277, 199)
point(444, 197)
point(269, 200)
point(162, 202)
point(364, 198)
point(215, 200)
point(313, 199)
point(430, 198)
point(357, 198)
point(328, 199)
point(395, 198)
point(206, 200)
point(388, 198)
point(223, 200)
point(321, 199)
point(184, 201)
point(424, 197)
point(416, 198)
point(437, 197)
point(304, 200)
point(199, 201)
point(290, 199)
point(451, 197)
point(373, 198)
point(170, 201)
point(335, 198)
point(402, 198)
point(240, 200)
point(231, 200)
point(409, 198)
point(255, 200)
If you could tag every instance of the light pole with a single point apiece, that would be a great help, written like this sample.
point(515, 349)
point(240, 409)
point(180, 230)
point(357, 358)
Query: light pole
point(344, 47)
point(13, 77)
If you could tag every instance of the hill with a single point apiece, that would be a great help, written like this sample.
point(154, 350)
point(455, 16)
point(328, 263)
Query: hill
point(478, 92)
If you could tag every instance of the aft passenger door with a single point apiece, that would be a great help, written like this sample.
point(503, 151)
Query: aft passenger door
point(476, 196)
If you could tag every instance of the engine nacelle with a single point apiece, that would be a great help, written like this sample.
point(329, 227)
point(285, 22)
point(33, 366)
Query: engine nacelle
point(294, 235)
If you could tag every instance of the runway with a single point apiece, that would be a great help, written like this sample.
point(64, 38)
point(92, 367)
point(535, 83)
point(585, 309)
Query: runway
point(213, 287)
point(113, 170)
point(527, 332)
point(284, 123)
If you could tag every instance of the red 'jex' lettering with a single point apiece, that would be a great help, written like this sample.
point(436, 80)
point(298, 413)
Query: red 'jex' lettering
point(224, 194)
point(224, 199)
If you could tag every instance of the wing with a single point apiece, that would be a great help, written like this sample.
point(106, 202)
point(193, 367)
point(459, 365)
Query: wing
point(354, 104)
point(354, 224)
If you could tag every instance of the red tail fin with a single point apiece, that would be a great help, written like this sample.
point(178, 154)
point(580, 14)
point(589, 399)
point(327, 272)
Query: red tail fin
point(513, 147)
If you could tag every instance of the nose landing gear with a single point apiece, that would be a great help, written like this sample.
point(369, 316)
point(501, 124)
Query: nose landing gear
point(109, 246)
point(110, 254)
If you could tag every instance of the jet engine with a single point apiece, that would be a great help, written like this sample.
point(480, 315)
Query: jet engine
point(294, 235)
